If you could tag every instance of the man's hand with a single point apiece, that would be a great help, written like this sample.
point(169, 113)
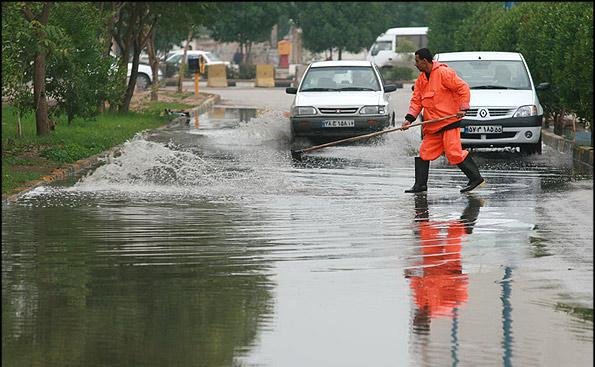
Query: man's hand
point(461, 114)
point(405, 125)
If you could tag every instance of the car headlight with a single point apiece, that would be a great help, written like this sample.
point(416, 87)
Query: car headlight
point(372, 110)
point(299, 111)
point(526, 111)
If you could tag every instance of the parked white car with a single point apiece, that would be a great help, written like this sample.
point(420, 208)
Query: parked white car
point(144, 79)
point(173, 61)
point(504, 108)
point(340, 99)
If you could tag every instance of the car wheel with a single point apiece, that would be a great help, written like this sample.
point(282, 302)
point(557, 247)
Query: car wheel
point(142, 81)
point(530, 149)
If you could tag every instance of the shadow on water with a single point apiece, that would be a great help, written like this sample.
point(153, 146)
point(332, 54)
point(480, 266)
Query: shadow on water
point(135, 285)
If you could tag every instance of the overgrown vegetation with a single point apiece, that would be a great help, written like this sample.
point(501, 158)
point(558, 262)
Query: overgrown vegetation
point(554, 38)
point(32, 156)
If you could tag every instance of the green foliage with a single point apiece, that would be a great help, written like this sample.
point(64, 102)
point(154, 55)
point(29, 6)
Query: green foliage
point(17, 54)
point(78, 73)
point(553, 37)
point(246, 22)
point(350, 27)
point(401, 73)
point(69, 152)
point(444, 19)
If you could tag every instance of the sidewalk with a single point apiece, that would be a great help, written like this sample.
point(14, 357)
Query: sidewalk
point(582, 155)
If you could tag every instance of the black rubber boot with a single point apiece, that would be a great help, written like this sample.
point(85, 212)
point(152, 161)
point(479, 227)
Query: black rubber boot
point(421, 208)
point(421, 176)
point(471, 212)
point(470, 170)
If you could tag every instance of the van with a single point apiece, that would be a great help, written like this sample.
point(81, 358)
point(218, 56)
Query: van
point(396, 46)
point(504, 108)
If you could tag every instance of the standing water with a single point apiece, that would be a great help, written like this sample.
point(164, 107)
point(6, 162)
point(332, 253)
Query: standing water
point(205, 244)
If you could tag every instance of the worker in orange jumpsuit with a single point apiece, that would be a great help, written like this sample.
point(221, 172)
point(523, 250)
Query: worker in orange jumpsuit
point(438, 283)
point(439, 91)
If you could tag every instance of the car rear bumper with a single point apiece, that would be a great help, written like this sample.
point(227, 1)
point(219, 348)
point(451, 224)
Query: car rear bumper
point(312, 127)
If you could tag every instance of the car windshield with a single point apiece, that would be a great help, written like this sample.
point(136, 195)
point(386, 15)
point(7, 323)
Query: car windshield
point(492, 74)
point(340, 78)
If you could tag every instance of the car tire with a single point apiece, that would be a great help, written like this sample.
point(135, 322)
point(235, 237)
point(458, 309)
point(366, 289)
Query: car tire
point(142, 81)
point(530, 149)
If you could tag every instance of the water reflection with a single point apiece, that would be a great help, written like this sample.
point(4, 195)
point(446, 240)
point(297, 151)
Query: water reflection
point(143, 285)
point(439, 286)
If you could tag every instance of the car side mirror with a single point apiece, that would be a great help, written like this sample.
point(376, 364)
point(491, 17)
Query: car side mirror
point(374, 52)
point(291, 90)
point(543, 86)
point(390, 88)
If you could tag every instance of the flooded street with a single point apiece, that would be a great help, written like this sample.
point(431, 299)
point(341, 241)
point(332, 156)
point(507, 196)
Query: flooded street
point(206, 244)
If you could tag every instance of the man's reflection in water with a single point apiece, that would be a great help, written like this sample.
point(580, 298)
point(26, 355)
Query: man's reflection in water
point(438, 284)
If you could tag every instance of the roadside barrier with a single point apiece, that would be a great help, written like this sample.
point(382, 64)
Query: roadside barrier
point(265, 75)
point(217, 76)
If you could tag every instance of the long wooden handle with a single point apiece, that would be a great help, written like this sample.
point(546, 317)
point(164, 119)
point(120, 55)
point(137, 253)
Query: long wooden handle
point(359, 137)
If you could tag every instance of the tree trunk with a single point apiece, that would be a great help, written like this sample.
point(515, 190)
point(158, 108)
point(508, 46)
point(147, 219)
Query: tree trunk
point(154, 66)
point(249, 53)
point(41, 103)
point(340, 54)
point(182, 69)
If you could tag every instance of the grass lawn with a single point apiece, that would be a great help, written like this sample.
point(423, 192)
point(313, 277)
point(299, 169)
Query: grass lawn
point(30, 157)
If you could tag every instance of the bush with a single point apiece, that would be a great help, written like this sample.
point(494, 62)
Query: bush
point(403, 73)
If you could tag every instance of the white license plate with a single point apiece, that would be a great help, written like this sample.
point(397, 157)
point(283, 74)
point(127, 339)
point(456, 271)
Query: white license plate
point(338, 123)
point(483, 129)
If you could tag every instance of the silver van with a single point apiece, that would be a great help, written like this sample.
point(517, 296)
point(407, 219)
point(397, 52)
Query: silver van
point(504, 108)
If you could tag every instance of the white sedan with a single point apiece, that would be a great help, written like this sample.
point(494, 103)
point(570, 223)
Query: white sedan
point(340, 99)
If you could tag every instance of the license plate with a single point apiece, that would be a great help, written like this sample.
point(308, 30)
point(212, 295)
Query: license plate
point(338, 123)
point(483, 129)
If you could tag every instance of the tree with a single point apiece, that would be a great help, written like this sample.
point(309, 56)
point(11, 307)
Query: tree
point(349, 26)
point(17, 35)
point(246, 23)
point(37, 14)
point(77, 69)
point(131, 30)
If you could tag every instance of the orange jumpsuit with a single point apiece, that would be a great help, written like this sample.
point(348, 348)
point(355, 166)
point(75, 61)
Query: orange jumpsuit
point(443, 94)
point(442, 286)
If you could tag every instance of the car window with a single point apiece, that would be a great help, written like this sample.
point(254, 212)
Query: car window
point(340, 78)
point(382, 46)
point(492, 74)
point(174, 59)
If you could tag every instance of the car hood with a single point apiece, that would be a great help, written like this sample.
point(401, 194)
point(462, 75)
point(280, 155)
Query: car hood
point(501, 98)
point(347, 98)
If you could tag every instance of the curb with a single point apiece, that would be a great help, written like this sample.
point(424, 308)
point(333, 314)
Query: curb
point(582, 155)
point(85, 164)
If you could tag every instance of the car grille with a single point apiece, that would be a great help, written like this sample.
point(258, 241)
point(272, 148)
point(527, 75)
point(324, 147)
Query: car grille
point(335, 111)
point(494, 112)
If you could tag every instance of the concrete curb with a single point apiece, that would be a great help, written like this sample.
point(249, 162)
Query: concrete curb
point(582, 155)
point(83, 165)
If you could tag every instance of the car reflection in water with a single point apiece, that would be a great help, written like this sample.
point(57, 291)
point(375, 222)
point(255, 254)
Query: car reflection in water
point(438, 283)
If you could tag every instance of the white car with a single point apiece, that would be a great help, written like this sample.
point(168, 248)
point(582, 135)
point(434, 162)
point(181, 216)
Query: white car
point(340, 99)
point(504, 108)
point(144, 79)
point(173, 61)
